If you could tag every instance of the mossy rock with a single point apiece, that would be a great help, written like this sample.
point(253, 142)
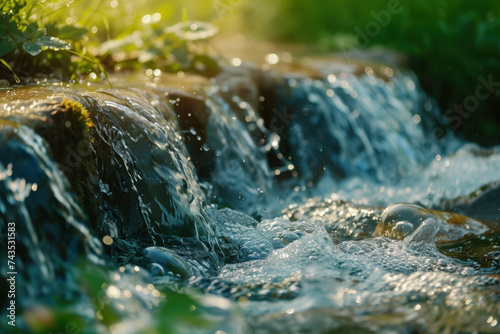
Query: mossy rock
point(65, 125)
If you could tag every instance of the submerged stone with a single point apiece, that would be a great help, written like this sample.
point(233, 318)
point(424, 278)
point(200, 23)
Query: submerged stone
point(153, 191)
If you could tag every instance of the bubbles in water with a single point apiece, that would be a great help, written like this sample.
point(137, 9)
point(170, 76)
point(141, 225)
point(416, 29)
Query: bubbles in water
point(399, 220)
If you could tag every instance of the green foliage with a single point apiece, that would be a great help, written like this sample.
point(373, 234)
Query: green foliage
point(99, 307)
point(181, 47)
point(32, 44)
point(450, 43)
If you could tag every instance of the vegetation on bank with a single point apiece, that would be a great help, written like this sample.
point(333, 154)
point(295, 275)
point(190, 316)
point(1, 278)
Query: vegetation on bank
point(68, 40)
point(451, 45)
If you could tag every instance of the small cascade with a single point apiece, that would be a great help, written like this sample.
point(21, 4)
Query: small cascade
point(146, 180)
point(349, 125)
point(240, 177)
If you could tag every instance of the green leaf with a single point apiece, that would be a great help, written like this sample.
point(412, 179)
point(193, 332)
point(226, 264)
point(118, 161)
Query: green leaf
point(6, 46)
point(43, 43)
point(32, 29)
point(4, 25)
point(122, 44)
point(39, 33)
point(205, 64)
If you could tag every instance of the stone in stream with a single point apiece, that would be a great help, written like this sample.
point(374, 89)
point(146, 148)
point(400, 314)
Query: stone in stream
point(150, 190)
point(65, 125)
point(42, 215)
point(161, 260)
point(124, 159)
point(192, 118)
point(483, 204)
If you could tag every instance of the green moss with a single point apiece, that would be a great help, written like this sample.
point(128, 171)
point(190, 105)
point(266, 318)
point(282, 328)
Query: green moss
point(67, 134)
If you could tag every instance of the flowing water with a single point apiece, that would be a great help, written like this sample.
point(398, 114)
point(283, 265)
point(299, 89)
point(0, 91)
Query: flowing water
point(256, 202)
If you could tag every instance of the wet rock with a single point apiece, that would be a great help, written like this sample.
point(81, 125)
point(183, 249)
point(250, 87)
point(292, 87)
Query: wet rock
point(51, 231)
point(192, 117)
point(141, 158)
point(240, 84)
point(190, 109)
point(161, 260)
point(65, 125)
point(483, 204)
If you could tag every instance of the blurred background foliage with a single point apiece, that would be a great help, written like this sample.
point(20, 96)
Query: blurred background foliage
point(448, 43)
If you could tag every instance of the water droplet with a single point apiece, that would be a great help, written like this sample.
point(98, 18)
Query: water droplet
point(107, 240)
point(113, 292)
point(236, 62)
point(146, 19)
point(272, 58)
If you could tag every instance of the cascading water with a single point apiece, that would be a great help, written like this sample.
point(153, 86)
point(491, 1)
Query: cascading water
point(266, 193)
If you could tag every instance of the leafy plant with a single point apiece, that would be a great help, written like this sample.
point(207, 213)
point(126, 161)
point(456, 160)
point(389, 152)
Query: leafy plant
point(29, 46)
point(181, 47)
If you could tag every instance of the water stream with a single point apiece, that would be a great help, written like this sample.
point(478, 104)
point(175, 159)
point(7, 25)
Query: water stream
point(256, 202)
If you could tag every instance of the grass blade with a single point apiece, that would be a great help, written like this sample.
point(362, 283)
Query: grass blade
point(10, 68)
